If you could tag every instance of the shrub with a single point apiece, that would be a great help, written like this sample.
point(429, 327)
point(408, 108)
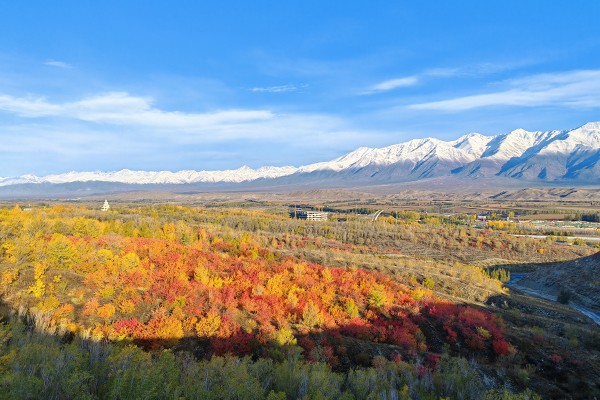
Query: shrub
point(564, 296)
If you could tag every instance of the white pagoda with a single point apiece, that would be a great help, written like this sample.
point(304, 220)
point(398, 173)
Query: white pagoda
point(105, 206)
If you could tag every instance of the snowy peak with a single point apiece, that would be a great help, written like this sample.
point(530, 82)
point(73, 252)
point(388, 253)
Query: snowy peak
point(588, 135)
point(413, 152)
point(241, 174)
point(520, 154)
point(473, 143)
point(590, 127)
point(515, 143)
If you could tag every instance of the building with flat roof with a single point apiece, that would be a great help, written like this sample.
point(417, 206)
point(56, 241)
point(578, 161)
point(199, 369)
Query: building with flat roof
point(309, 215)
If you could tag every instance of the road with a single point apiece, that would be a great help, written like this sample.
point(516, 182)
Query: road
point(514, 278)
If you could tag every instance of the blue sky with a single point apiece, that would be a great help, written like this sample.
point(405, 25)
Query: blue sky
point(156, 85)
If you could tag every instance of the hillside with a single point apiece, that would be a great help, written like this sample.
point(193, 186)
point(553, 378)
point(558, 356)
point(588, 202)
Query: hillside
point(580, 278)
point(154, 282)
point(355, 308)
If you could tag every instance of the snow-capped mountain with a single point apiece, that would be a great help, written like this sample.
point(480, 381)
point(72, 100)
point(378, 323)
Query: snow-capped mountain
point(559, 155)
point(242, 174)
point(411, 152)
point(554, 156)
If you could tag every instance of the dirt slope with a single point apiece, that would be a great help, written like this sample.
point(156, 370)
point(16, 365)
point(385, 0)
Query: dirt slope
point(581, 277)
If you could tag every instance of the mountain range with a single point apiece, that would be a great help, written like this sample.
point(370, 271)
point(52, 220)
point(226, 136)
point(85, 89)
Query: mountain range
point(554, 157)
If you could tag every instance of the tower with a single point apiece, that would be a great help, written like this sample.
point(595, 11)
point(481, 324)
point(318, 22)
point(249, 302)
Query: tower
point(105, 206)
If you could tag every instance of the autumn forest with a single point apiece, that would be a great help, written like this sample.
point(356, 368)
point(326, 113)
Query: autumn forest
point(193, 302)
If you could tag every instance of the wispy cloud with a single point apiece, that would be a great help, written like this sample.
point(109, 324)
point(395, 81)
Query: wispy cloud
point(112, 111)
point(58, 64)
point(118, 129)
point(277, 89)
point(566, 89)
point(28, 106)
point(477, 69)
point(444, 72)
point(392, 84)
point(414, 80)
point(120, 108)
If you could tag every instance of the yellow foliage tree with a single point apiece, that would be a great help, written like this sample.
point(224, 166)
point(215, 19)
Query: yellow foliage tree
point(61, 253)
point(378, 297)
point(129, 262)
point(9, 276)
point(284, 336)
point(208, 326)
point(106, 311)
point(311, 316)
point(8, 252)
point(169, 328)
point(50, 303)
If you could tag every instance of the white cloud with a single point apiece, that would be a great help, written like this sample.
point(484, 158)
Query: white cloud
point(28, 106)
point(393, 84)
point(467, 70)
point(131, 117)
point(154, 139)
point(567, 89)
point(275, 89)
point(444, 72)
point(120, 108)
point(477, 69)
point(58, 64)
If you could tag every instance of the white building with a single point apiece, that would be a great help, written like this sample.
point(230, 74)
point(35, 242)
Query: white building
point(309, 215)
point(105, 206)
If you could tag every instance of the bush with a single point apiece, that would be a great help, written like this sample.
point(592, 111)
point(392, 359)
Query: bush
point(564, 296)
